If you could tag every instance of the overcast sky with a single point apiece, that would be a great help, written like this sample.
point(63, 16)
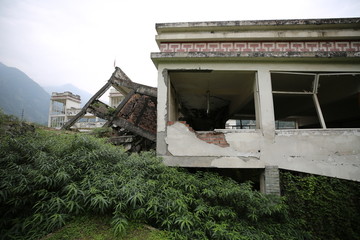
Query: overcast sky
point(76, 41)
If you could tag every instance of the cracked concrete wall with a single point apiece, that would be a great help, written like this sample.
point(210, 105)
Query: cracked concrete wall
point(331, 152)
point(186, 148)
point(191, 145)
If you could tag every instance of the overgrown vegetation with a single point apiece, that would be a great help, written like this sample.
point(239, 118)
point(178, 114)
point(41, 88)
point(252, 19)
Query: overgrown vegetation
point(49, 178)
point(329, 208)
point(91, 227)
point(84, 227)
point(102, 132)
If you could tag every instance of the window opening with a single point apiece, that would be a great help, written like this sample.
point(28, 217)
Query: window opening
point(316, 100)
point(285, 124)
point(57, 122)
point(206, 100)
point(58, 108)
point(339, 97)
point(240, 124)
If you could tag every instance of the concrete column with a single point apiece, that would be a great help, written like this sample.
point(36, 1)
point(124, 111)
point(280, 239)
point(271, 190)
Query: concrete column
point(66, 104)
point(270, 180)
point(265, 108)
point(265, 115)
point(162, 104)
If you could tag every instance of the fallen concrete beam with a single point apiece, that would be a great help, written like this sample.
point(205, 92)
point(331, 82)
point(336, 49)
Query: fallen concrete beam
point(121, 82)
point(83, 111)
point(101, 110)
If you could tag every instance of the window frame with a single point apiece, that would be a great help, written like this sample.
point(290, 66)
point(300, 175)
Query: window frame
point(314, 92)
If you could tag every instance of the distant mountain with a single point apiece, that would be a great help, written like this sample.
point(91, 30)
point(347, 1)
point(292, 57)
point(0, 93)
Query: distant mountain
point(85, 96)
point(20, 95)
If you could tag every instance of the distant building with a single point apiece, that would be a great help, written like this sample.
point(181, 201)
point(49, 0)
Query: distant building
point(64, 106)
point(115, 97)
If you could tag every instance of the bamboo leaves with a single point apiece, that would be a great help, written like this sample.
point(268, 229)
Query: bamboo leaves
point(48, 178)
point(185, 221)
point(137, 199)
point(99, 203)
point(73, 207)
point(56, 204)
point(119, 225)
point(56, 220)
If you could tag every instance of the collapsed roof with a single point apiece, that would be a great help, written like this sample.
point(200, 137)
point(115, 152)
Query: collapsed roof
point(135, 115)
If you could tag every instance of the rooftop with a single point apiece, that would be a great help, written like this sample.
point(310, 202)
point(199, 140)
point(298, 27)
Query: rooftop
point(260, 24)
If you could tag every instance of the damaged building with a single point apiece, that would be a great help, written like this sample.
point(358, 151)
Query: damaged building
point(131, 113)
point(260, 96)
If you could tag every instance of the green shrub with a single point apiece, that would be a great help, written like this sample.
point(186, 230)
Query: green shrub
point(48, 178)
point(327, 207)
point(102, 132)
point(5, 120)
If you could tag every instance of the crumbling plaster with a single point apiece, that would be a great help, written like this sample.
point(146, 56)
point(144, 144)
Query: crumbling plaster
point(162, 99)
point(182, 142)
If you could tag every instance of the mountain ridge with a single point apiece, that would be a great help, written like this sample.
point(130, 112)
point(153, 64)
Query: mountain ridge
point(21, 96)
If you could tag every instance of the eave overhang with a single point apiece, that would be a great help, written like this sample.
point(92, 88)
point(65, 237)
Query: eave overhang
point(164, 57)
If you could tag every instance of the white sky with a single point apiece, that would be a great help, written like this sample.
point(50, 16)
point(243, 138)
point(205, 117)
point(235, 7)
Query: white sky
point(76, 41)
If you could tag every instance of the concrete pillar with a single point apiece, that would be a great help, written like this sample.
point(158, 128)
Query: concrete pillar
point(65, 110)
point(162, 107)
point(270, 180)
point(265, 108)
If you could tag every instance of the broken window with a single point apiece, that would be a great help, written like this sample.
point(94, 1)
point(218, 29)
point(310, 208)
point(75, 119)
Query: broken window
point(290, 124)
point(57, 122)
point(58, 107)
point(240, 124)
point(206, 100)
point(316, 100)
